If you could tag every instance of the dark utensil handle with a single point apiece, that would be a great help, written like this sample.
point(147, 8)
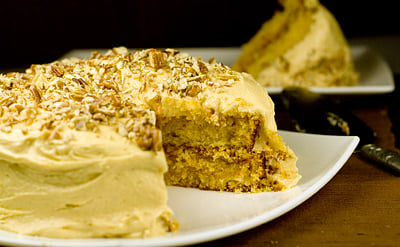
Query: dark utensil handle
point(385, 157)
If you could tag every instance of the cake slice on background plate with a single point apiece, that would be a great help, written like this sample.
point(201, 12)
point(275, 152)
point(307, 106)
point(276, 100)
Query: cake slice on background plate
point(301, 45)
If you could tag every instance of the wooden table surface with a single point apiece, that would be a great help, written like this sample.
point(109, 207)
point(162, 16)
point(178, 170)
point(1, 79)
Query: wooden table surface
point(360, 206)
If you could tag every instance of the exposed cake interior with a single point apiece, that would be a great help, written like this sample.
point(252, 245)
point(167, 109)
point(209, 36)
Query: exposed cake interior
point(224, 137)
point(220, 157)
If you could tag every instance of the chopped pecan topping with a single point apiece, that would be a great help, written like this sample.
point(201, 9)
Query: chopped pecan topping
point(81, 81)
point(106, 90)
point(194, 90)
point(157, 144)
point(156, 59)
point(109, 85)
point(150, 140)
point(95, 55)
point(76, 95)
point(203, 68)
point(54, 135)
point(57, 71)
point(227, 77)
point(36, 94)
point(99, 116)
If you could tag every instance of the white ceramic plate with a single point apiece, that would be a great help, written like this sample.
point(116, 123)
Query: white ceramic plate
point(209, 215)
point(375, 74)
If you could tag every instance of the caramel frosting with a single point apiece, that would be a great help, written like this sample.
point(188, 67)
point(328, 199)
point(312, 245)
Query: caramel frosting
point(94, 185)
point(80, 152)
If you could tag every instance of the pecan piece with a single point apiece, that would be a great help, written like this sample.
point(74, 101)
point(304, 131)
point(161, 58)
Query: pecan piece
point(77, 96)
point(35, 93)
point(157, 144)
point(109, 85)
point(227, 77)
point(212, 60)
point(202, 67)
point(150, 140)
point(57, 71)
point(81, 81)
point(95, 55)
point(100, 117)
point(156, 59)
point(55, 135)
point(144, 142)
point(194, 90)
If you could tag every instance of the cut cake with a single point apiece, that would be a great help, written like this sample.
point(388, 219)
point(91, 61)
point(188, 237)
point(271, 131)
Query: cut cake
point(87, 146)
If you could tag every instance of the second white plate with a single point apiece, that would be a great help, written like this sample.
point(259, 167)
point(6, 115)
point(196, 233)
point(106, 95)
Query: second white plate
point(375, 74)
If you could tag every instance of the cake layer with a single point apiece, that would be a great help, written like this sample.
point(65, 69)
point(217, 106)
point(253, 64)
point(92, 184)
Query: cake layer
point(235, 169)
point(230, 132)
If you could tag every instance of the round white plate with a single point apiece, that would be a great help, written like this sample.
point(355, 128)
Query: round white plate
point(209, 215)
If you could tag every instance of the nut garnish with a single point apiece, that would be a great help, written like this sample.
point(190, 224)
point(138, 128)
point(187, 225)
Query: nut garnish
point(57, 70)
point(81, 81)
point(194, 90)
point(105, 90)
point(203, 68)
point(156, 59)
point(36, 94)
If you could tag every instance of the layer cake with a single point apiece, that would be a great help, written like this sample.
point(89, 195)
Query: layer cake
point(87, 146)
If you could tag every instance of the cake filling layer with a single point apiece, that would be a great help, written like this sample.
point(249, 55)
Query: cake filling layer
point(236, 170)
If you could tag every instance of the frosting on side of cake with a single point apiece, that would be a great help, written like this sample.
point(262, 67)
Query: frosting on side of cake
point(96, 185)
point(309, 50)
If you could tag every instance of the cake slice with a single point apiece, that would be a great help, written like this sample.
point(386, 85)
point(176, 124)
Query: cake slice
point(87, 146)
point(301, 45)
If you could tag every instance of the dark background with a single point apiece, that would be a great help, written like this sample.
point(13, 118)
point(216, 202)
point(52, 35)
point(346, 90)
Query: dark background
point(41, 31)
